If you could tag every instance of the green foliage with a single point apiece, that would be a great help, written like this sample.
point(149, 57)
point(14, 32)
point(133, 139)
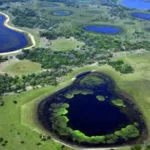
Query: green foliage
point(121, 66)
point(57, 59)
point(129, 132)
point(34, 20)
point(147, 147)
point(118, 103)
point(91, 81)
point(58, 118)
point(137, 147)
point(100, 97)
point(17, 84)
point(3, 59)
point(70, 94)
point(1, 102)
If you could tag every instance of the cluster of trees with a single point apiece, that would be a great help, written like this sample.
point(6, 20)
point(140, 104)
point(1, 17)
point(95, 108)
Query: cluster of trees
point(17, 84)
point(118, 103)
point(1, 101)
point(71, 93)
point(121, 66)
point(3, 142)
point(58, 59)
point(6, 1)
point(120, 12)
point(31, 19)
point(50, 34)
point(59, 122)
point(68, 3)
point(3, 59)
point(140, 147)
point(60, 63)
point(97, 41)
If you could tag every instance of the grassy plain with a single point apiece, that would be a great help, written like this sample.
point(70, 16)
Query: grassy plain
point(12, 130)
point(23, 67)
point(64, 44)
point(25, 127)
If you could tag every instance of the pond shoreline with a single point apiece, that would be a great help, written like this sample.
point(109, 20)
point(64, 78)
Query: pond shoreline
point(29, 36)
point(69, 143)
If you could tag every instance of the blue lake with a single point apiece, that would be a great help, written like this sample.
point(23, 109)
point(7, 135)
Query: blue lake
point(102, 29)
point(144, 16)
point(61, 13)
point(10, 40)
point(136, 4)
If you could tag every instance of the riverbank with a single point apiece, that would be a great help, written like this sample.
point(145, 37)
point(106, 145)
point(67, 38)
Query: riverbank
point(29, 35)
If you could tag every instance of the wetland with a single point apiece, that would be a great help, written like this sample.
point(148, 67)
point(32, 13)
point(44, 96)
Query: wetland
point(92, 112)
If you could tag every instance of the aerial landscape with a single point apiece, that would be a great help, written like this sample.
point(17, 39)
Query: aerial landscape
point(74, 75)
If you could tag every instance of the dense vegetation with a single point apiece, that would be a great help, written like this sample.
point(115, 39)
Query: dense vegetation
point(98, 41)
point(121, 66)
point(34, 19)
point(16, 84)
point(59, 59)
point(71, 93)
point(3, 59)
point(118, 103)
point(91, 81)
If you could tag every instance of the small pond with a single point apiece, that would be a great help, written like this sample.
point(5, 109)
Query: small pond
point(10, 40)
point(91, 113)
point(61, 13)
point(136, 4)
point(144, 16)
point(103, 29)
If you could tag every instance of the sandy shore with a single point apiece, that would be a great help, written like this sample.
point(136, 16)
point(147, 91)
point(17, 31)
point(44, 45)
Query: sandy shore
point(31, 37)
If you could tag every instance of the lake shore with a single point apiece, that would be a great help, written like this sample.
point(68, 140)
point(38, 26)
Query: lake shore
point(30, 36)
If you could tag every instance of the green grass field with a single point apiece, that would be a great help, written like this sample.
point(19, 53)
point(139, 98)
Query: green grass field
point(22, 68)
point(63, 44)
point(135, 83)
point(11, 129)
point(25, 125)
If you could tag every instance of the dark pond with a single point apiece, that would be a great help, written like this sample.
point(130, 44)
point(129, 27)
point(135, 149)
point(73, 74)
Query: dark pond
point(144, 16)
point(103, 29)
point(136, 4)
point(61, 13)
point(87, 113)
point(92, 117)
point(10, 40)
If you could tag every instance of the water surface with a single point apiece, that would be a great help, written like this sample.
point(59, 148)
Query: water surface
point(10, 40)
point(144, 16)
point(136, 4)
point(103, 29)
